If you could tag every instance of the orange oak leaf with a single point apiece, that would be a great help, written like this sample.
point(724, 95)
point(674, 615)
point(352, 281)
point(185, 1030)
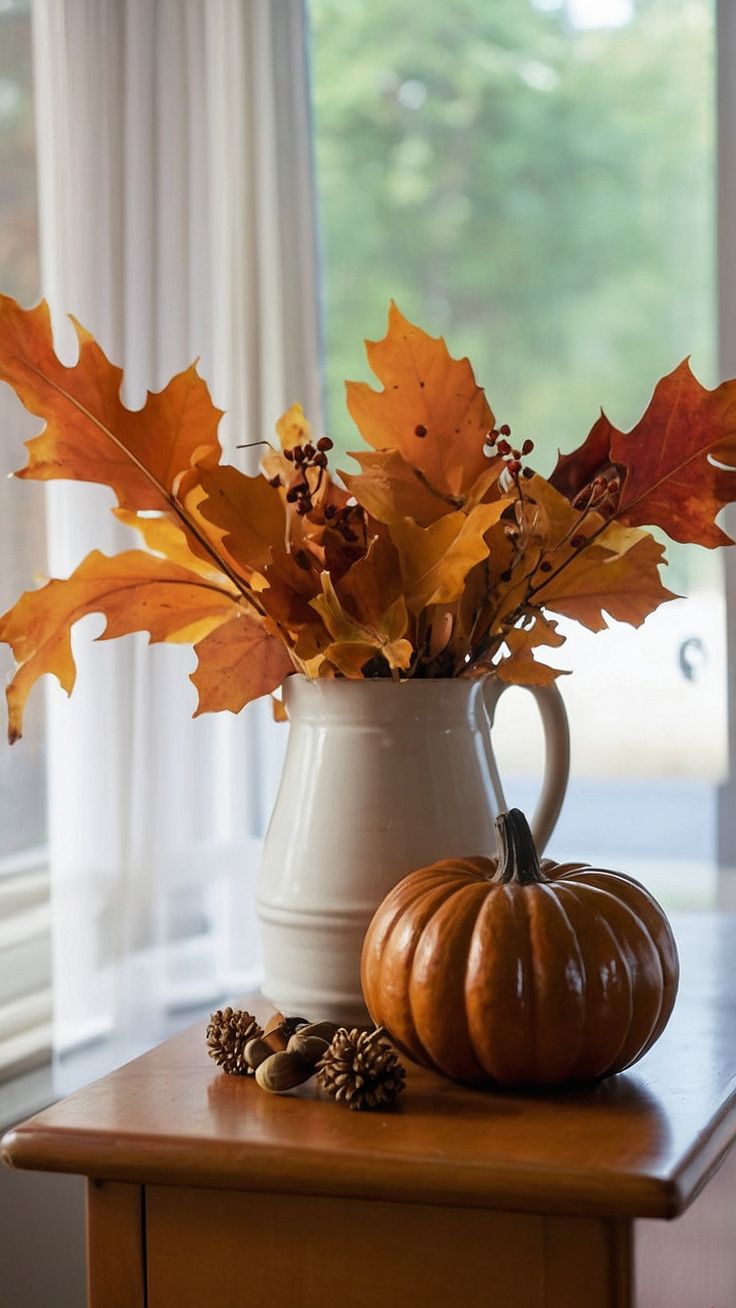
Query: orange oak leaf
point(430, 409)
point(627, 586)
point(677, 465)
point(520, 668)
point(90, 435)
point(165, 536)
point(237, 662)
point(248, 515)
point(436, 560)
point(135, 592)
point(548, 562)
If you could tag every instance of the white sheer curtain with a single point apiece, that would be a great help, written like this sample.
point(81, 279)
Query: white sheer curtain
point(176, 221)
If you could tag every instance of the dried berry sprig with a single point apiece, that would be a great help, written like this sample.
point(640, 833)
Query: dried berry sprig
point(497, 442)
point(307, 458)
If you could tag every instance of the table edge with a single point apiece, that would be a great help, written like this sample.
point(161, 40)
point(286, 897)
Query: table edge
point(226, 1167)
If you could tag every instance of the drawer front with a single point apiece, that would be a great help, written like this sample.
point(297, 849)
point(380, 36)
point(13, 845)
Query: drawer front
point(265, 1250)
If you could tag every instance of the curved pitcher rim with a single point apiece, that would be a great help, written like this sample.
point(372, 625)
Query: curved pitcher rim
point(333, 683)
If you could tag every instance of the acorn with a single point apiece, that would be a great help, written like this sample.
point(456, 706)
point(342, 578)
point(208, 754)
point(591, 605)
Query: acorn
point(283, 1071)
point(256, 1052)
point(325, 1030)
point(311, 1047)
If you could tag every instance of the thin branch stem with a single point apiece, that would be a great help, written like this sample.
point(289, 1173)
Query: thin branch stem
point(455, 501)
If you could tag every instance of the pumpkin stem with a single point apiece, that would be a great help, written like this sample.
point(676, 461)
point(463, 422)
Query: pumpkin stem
point(518, 860)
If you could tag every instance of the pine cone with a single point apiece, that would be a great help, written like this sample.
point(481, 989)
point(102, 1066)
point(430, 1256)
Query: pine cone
point(228, 1033)
point(361, 1070)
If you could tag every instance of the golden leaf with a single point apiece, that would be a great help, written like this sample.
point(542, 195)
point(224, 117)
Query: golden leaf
point(278, 709)
point(293, 428)
point(430, 409)
point(373, 583)
point(436, 560)
point(135, 592)
point(520, 668)
point(165, 536)
point(538, 630)
point(546, 561)
point(291, 584)
point(381, 628)
point(390, 489)
point(627, 586)
point(248, 515)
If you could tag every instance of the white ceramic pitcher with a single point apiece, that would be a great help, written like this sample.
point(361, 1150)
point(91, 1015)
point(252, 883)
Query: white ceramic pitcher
point(380, 777)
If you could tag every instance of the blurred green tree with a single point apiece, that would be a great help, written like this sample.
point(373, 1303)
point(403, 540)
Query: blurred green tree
point(537, 189)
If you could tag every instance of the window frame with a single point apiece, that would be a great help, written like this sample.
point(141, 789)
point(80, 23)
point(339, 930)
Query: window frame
point(725, 194)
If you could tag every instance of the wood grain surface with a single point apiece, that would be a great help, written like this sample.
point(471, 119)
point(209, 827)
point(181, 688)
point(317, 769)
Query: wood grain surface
point(641, 1144)
point(256, 1251)
point(116, 1270)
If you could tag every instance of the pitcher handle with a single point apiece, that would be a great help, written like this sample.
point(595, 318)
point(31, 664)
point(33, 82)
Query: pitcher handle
point(556, 753)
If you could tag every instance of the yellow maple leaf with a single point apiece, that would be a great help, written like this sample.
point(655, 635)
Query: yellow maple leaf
point(246, 512)
point(436, 560)
point(293, 428)
point(356, 642)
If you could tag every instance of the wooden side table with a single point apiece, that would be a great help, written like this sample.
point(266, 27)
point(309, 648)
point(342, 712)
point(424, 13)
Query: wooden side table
point(204, 1190)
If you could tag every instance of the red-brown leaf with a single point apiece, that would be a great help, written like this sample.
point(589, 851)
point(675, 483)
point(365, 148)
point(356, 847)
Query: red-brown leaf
point(678, 464)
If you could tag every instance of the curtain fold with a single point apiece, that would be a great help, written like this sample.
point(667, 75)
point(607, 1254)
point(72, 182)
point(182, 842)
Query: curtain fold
point(177, 221)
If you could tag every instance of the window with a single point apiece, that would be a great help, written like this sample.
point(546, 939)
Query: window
point(24, 909)
point(535, 181)
point(22, 779)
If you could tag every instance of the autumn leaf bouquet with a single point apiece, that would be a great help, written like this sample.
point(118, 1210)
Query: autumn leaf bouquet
point(444, 555)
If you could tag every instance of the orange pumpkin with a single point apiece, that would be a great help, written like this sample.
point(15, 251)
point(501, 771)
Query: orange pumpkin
point(508, 971)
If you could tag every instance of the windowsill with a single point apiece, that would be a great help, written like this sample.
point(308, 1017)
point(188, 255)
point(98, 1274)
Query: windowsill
point(29, 1092)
